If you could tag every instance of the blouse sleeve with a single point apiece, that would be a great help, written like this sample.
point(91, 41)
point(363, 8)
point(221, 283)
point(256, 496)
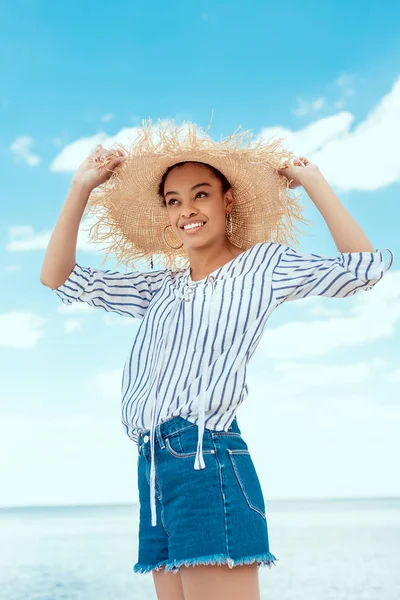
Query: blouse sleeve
point(297, 275)
point(127, 294)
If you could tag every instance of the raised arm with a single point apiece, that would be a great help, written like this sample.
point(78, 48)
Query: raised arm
point(358, 266)
point(60, 257)
point(127, 294)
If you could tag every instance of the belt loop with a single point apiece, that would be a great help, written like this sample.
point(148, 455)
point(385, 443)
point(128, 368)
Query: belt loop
point(159, 436)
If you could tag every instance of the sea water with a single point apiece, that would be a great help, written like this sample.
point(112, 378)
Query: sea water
point(327, 550)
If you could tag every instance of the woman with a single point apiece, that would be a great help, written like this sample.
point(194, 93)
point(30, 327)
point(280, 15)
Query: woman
point(201, 503)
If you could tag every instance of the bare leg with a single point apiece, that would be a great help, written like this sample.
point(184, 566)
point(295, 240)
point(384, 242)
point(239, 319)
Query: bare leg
point(219, 582)
point(168, 585)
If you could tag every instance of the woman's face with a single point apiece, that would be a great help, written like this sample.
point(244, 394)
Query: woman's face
point(193, 193)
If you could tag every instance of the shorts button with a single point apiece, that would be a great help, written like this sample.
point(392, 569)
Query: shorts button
point(146, 438)
point(212, 451)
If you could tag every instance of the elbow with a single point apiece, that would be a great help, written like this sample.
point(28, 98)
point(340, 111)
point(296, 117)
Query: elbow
point(54, 280)
point(46, 283)
point(43, 280)
point(50, 284)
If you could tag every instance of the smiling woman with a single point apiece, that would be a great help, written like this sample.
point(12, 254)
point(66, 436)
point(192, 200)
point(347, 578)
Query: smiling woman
point(199, 213)
point(185, 376)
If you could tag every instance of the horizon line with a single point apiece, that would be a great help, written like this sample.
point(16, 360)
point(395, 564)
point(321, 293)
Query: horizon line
point(133, 503)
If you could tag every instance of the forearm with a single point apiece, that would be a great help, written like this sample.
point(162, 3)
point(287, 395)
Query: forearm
point(346, 232)
point(60, 255)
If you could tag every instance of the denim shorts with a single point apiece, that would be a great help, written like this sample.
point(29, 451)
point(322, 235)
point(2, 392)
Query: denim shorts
point(209, 516)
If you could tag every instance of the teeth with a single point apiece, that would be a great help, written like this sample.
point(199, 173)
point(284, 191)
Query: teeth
point(191, 226)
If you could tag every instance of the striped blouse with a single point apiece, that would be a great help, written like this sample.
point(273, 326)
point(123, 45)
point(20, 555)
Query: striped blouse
point(195, 338)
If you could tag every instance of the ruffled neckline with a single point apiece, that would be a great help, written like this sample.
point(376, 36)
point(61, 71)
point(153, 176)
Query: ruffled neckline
point(216, 272)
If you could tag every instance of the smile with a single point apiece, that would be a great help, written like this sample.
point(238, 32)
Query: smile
point(193, 228)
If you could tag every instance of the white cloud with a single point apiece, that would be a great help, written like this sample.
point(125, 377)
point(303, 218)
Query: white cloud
point(20, 329)
point(72, 325)
point(317, 307)
point(344, 82)
point(363, 159)
point(20, 148)
point(23, 238)
point(333, 433)
point(371, 316)
point(108, 384)
point(66, 459)
point(113, 320)
point(301, 375)
point(313, 137)
point(394, 376)
point(306, 107)
point(72, 156)
point(76, 308)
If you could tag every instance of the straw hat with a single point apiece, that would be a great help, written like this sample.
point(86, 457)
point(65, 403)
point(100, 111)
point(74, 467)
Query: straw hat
point(132, 223)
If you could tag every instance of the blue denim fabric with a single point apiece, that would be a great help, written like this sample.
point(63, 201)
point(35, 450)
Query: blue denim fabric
point(214, 515)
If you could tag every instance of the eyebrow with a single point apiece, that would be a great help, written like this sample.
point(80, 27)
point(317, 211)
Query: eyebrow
point(191, 189)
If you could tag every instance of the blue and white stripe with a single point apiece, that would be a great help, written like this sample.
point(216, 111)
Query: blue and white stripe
point(298, 275)
point(190, 354)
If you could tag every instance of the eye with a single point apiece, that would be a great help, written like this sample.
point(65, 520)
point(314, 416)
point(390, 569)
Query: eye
point(175, 200)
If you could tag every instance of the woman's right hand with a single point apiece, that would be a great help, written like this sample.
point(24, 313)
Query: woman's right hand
point(92, 172)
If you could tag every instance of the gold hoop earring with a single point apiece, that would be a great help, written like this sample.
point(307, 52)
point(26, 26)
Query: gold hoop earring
point(228, 219)
point(163, 235)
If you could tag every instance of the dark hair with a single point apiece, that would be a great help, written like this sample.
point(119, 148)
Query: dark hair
point(225, 185)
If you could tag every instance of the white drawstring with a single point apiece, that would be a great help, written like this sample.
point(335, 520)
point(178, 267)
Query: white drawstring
point(153, 468)
point(167, 328)
point(199, 461)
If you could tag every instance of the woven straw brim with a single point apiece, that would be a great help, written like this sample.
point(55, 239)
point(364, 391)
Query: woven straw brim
point(129, 216)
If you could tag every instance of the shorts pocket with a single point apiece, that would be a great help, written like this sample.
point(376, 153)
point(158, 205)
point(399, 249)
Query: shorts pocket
point(183, 443)
point(247, 478)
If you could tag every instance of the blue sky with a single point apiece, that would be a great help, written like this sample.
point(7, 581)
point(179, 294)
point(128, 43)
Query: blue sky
point(321, 418)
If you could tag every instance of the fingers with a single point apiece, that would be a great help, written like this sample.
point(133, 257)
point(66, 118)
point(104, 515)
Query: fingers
point(301, 161)
point(113, 164)
point(94, 156)
point(103, 156)
point(112, 158)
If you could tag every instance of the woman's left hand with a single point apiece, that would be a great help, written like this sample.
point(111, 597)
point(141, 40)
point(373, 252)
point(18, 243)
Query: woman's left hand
point(296, 170)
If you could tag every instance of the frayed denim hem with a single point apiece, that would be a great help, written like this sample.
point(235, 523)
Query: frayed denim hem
point(266, 559)
point(139, 568)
